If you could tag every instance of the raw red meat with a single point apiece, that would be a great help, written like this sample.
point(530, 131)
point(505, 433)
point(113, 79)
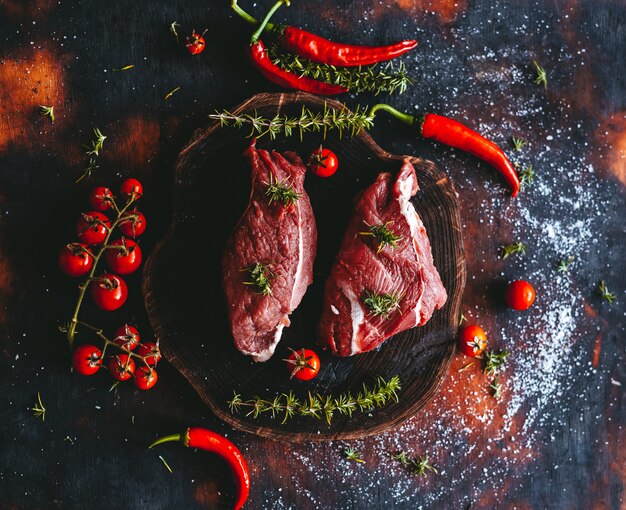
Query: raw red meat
point(405, 272)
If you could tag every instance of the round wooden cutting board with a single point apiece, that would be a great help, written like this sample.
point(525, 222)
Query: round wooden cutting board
point(185, 299)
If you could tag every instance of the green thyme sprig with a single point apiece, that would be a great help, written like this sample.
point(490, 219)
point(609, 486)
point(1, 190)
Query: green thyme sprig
point(350, 453)
point(418, 465)
point(541, 77)
point(496, 388)
point(526, 176)
point(565, 263)
point(307, 122)
point(316, 405)
point(97, 144)
point(261, 277)
point(381, 305)
point(495, 362)
point(38, 409)
point(510, 249)
point(377, 78)
point(47, 111)
point(518, 143)
point(173, 29)
point(604, 292)
point(383, 235)
point(281, 191)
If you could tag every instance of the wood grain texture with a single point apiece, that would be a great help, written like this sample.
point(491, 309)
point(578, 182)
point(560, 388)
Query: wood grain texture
point(186, 308)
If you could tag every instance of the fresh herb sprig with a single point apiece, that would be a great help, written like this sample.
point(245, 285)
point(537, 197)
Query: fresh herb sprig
point(281, 191)
point(495, 362)
point(496, 388)
point(518, 143)
point(316, 405)
point(377, 78)
point(261, 277)
point(565, 263)
point(527, 176)
point(541, 77)
point(383, 234)
point(97, 144)
point(307, 122)
point(381, 305)
point(38, 409)
point(418, 465)
point(47, 111)
point(174, 29)
point(605, 293)
point(350, 453)
point(509, 249)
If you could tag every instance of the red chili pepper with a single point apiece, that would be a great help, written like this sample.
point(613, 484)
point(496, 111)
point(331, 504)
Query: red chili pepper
point(321, 50)
point(206, 440)
point(277, 75)
point(459, 136)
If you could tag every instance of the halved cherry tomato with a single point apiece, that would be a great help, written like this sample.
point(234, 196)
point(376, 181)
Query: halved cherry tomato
point(101, 199)
point(122, 367)
point(520, 295)
point(87, 359)
point(92, 227)
point(125, 257)
point(75, 259)
point(323, 162)
point(195, 43)
point(152, 351)
point(145, 378)
point(473, 340)
point(303, 364)
point(131, 188)
point(109, 292)
point(127, 336)
point(133, 225)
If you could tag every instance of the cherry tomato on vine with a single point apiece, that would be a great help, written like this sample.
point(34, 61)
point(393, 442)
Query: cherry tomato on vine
point(145, 378)
point(92, 227)
point(101, 199)
point(473, 340)
point(122, 367)
point(87, 359)
point(195, 42)
point(131, 188)
point(152, 351)
point(520, 295)
point(323, 162)
point(127, 336)
point(134, 225)
point(125, 257)
point(109, 292)
point(75, 259)
point(303, 364)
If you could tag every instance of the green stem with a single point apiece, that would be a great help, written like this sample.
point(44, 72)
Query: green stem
point(403, 117)
point(166, 439)
point(257, 34)
point(243, 14)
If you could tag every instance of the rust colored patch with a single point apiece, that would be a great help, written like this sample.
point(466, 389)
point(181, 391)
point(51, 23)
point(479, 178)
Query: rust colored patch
point(446, 10)
point(22, 10)
point(207, 494)
point(134, 143)
point(590, 311)
point(611, 140)
point(597, 350)
point(6, 284)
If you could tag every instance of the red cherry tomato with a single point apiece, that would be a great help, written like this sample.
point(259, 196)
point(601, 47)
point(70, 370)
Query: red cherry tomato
point(101, 199)
point(473, 340)
point(145, 378)
point(323, 162)
point(520, 295)
point(152, 351)
point(122, 367)
point(134, 225)
point(125, 258)
point(92, 227)
point(109, 292)
point(195, 43)
point(303, 364)
point(127, 336)
point(131, 189)
point(87, 359)
point(75, 259)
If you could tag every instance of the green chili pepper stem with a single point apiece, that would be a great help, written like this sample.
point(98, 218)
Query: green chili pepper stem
point(166, 439)
point(257, 33)
point(403, 117)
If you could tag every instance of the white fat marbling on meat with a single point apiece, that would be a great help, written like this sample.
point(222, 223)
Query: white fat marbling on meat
point(267, 353)
point(298, 276)
point(333, 309)
point(356, 315)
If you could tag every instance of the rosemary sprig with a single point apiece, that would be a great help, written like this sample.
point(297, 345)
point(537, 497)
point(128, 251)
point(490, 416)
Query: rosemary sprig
point(418, 465)
point(604, 292)
point(91, 166)
point(383, 235)
point(38, 409)
point(510, 249)
point(47, 111)
point(527, 176)
point(496, 388)
point(518, 143)
point(381, 304)
point(541, 78)
point(307, 122)
point(565, 263)
point(97, 144)
point(317, 406)
point(495, 362)
point(281, 191)
point(351, 454)
point(377, 78)
point(261, 276)
point(173, 29)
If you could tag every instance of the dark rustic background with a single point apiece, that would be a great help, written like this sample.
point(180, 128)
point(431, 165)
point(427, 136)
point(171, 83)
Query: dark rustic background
point(556, 437)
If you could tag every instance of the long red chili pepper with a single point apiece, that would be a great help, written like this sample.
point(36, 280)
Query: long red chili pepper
point(321, 50)
point(455, 134)
point(208, 441)
point(277, 75)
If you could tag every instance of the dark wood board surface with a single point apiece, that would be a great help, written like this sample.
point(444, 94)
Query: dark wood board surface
point(556, 437)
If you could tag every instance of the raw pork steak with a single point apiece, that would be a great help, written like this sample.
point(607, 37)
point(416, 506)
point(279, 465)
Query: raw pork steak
point(268, 260)
point(383, 280)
